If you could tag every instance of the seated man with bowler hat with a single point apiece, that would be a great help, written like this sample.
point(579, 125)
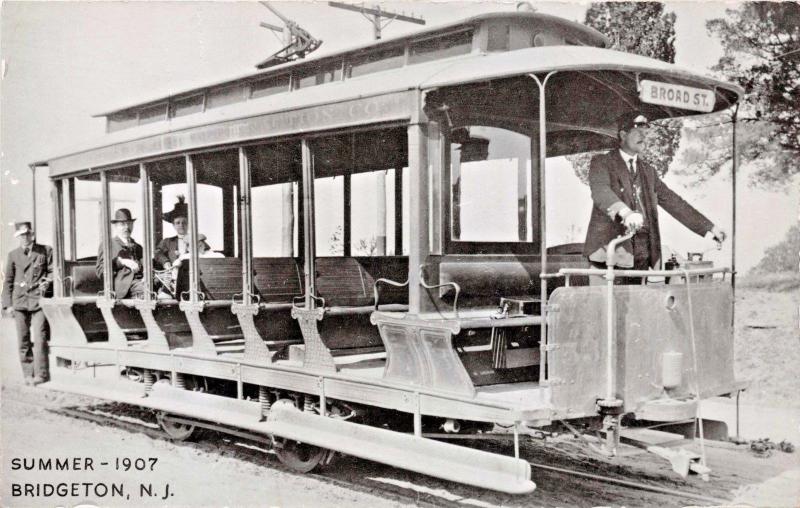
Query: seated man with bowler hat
point(126, 258)
point(627, 192)
point(29, 277)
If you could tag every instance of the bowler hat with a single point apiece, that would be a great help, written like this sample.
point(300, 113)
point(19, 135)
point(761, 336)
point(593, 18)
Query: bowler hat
point(22, 228)
point(629, 120)
point(179, 210)
point(122, 215)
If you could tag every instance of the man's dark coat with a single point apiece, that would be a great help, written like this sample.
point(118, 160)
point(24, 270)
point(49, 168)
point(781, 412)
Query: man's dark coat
point(611, 181)
point(123, 276)
point(23, 275)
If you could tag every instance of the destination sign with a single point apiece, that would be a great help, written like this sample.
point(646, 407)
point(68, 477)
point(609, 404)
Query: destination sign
point(677, 96)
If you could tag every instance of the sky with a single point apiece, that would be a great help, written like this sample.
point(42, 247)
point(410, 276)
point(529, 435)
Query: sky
point(65, 61)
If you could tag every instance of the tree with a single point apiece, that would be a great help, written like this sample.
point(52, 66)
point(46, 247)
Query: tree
point(643, 28)
point(761, 42)
point(782, 257)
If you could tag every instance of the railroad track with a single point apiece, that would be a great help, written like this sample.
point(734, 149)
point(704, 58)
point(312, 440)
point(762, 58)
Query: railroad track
point(221, 439)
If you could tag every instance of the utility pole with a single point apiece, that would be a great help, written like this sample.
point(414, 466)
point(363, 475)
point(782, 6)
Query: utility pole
point(375, 16)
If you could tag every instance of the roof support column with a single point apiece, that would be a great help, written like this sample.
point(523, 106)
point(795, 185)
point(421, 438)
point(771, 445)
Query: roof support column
point(419, 215)
point(105, 214)
point(246, 221)
point(194, 269)
point(542, 218)
point(309, 237)
point(147, 241)
point(57, 195)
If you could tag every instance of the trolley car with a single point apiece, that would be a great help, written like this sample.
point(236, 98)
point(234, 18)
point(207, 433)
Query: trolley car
point(457, 318)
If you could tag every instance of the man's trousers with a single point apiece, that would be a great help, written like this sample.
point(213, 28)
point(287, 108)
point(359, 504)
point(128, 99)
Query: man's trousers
point(33, 323)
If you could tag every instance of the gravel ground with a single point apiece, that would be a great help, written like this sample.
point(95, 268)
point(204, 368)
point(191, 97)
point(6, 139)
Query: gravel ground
point(767, 346)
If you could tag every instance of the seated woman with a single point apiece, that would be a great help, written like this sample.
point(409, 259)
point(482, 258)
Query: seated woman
point(170, 250)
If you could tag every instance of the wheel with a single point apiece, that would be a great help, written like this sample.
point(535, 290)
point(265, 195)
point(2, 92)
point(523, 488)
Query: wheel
point(176, 431)
point(179, 431)
point(298, 456)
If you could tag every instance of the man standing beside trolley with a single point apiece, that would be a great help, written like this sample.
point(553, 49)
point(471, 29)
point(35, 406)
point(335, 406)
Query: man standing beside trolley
point(28, 277)
point(626, 192)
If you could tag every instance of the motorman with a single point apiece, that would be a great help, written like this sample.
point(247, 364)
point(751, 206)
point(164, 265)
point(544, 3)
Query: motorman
point(627, 192)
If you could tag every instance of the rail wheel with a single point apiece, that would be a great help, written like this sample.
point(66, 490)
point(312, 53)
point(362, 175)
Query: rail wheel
point(300, 457)
point(175, 430)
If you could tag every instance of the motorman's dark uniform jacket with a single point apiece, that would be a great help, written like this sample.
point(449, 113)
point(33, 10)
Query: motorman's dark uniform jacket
point(123, 276)
point(23, 275)
point(612, 186)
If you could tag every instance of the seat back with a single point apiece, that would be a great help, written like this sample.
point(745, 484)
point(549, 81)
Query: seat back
point(349, 281)
point(220, 278)
point(84, 277)
point(277, 280)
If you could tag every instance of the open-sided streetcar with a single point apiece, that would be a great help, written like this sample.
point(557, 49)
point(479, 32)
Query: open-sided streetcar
point(454, 317)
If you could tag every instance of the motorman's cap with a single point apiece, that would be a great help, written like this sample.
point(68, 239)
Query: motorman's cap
point(22, 228)
point(629, 120)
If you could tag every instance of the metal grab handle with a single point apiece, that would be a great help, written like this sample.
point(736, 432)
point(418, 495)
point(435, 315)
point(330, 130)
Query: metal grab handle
point(200, 295)
point(112, 295)
point(302, 298)
point(612, 248)
point(243, 294)
point(375, 291)
point(436, 286)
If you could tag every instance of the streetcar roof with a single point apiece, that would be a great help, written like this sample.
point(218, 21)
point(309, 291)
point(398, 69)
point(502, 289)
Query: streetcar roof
point(154, 97)
point(465, 69)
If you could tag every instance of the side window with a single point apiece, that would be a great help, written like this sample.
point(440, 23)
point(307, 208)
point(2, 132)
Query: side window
point(82, 217)
point(125, 193)
point(360, 206)
point(275, 200)
point(329, 216)
point(567, 219)
point(491, 185)
point(274, 209)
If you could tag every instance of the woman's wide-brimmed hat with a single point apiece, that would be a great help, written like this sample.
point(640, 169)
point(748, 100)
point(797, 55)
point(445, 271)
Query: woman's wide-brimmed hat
point(179, 210)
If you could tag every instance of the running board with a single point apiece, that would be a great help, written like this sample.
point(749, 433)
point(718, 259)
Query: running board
point(434, 458)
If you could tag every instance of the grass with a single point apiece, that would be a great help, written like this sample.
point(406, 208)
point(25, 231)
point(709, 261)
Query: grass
point(779, 282)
